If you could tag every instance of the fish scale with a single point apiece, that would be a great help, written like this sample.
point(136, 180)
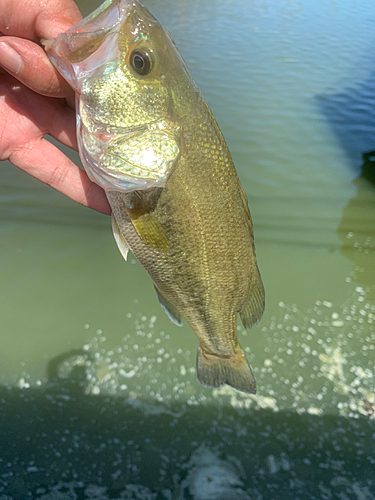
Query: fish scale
point(147, 136)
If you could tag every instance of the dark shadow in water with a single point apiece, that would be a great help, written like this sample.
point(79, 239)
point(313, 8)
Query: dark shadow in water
point(357, 227)
point(59, 437)
point(351, 116)
point(368, 167)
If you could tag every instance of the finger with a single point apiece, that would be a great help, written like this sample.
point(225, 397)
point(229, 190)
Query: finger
point(34, 19)
point(55, 16)
point(44, 115)
point(61, 125)
point(43, 160)
point(28, 62)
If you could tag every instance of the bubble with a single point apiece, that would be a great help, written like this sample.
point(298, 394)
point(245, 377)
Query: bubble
point(338, 323)
point(182, 370)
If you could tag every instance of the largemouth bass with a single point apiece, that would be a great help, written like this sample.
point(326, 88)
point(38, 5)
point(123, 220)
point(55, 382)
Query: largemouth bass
point(148, 137)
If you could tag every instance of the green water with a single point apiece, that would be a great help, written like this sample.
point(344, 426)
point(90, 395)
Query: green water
point(99, 396)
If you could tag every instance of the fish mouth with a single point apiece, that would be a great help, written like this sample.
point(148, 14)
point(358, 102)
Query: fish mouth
point(125, 159)
point(93, 33)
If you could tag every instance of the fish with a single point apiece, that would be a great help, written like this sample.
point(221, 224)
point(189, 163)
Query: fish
point(147, 136)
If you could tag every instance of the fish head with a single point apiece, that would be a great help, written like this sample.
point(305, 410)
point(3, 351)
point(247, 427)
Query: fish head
point(132, 87)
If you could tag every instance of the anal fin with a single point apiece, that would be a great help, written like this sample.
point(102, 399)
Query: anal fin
point(254, 307)
point(172, 313)
point(214, 371)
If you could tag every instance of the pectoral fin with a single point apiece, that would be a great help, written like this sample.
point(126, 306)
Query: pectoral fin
point(169, 309)
point(214, 371)
point(254, 307)
point(120, 240)
point(146, 224)
point(151, 232)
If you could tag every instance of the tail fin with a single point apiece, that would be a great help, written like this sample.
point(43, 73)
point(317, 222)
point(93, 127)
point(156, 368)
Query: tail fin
point(214, 371)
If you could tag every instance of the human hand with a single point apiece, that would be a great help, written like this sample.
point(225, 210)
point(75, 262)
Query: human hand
point(34, 99)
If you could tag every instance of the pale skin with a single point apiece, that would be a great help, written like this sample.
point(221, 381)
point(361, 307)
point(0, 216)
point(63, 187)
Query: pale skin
point(35, 100)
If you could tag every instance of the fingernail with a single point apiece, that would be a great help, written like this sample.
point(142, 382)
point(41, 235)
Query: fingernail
point(9, 58)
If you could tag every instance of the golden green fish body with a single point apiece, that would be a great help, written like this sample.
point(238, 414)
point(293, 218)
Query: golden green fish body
point(148, 137)
point(201, 257)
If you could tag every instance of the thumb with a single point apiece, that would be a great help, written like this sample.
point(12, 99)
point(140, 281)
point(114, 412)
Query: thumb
point(28, 62)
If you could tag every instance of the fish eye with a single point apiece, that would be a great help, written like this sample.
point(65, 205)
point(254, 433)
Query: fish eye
point(141, 61)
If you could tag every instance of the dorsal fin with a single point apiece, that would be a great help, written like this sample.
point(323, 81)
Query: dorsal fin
point(247, 210)
point(244, 201)
point(254, 307)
